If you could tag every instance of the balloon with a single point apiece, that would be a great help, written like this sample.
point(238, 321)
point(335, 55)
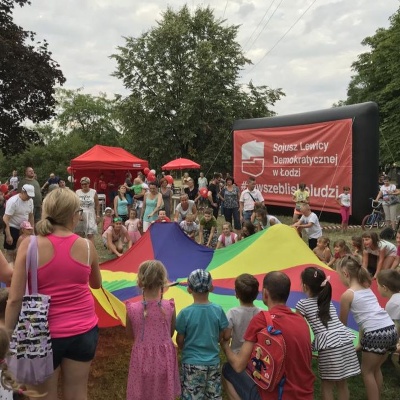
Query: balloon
point(151, 177)
point(70, 178)
point(69, 170)
point(203, 192)
point(169, 179)
point(146, 171)
point(4, 188)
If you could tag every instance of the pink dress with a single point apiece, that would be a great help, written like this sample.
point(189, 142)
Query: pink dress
point(133, 229)
point(153, 368)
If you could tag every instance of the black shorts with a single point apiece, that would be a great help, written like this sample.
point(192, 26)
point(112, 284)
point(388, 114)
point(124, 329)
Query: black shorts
point(15, 235)
point(78, 348)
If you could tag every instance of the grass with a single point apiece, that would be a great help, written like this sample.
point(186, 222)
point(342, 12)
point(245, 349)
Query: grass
point(110, 367)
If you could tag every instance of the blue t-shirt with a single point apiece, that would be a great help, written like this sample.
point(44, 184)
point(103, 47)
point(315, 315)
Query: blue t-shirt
point(201, 325)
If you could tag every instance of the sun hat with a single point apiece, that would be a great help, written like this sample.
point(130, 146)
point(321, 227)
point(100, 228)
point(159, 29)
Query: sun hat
point(107, 209)
point(29, 190)
point(26, 225)
point(200, 281)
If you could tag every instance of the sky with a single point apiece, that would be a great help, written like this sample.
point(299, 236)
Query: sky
point(304, 47)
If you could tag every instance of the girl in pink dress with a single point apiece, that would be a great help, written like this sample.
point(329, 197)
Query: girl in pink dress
point(132, 224)
point(153, 368)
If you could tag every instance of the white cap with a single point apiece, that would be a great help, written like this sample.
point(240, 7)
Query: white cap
point(29, 189)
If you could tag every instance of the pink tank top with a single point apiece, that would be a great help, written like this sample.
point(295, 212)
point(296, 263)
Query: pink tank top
point(66, 280)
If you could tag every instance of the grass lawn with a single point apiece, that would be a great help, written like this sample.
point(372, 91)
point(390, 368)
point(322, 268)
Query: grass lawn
point(110, 368)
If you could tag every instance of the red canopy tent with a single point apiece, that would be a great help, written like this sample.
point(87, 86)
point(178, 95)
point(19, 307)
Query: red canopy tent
point(180, 163)
point(112, 162)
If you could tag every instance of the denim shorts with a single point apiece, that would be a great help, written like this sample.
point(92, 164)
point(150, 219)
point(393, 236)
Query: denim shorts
point(243, 384)
point(80, 347)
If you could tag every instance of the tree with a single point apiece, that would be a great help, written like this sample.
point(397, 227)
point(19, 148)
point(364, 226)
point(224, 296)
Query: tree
point(28, 75)
point(377, 78)
point(184, 95)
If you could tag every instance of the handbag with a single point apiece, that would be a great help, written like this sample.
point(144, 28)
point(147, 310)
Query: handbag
point(30, 355)
point(394, 199)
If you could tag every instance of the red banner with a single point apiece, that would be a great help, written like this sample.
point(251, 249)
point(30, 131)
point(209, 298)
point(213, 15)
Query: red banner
point(320, 155)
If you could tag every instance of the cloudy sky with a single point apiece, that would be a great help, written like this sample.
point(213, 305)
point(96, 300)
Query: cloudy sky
point(304, 47)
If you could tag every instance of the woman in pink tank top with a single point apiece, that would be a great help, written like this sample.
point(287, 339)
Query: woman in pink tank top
point(67, 265)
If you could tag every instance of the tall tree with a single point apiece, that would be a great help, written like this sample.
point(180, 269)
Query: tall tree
point(184, 91)
point(28, 75)
point(377, 78)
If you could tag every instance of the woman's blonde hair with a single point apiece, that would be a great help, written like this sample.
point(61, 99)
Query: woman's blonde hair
point(7, 379)
point(59, 207)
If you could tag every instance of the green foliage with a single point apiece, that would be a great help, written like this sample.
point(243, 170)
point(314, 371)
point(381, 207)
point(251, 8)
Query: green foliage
point(184, 97)
point(28, 75)
point(377, 78)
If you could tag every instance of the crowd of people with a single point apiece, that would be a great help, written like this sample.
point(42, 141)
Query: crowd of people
point(66, 223)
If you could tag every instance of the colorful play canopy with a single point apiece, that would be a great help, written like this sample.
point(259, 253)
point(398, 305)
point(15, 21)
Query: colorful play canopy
point(277, 249)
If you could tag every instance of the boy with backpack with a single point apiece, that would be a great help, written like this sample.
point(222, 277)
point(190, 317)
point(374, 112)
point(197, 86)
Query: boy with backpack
point(298, 376)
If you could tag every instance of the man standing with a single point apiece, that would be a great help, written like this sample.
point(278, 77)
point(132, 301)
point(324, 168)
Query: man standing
point(310, 223)
point(202, 181)
point(248, 199)
point(37, 200)
point(51, 183)
point(213, 192)
point(299, 383)
point(19, 208)
point(14, 179)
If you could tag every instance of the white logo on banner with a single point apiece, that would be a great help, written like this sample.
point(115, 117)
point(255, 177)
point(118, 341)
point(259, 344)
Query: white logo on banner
point(253, 158)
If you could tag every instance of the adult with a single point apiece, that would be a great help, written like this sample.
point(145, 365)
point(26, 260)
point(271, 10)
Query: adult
point(213, 192)
point(67, 265)
point(121, 204)
point(166, 194)
point(184, 180)
point(91, 210)
point(249, 199)
point(115, 236)
point(152, 202)
point(184, 207)
point(51, 183)
point(101, 185)
point(19, 208)
point(300, 196)
point(30, 179)
point(310, 223)
point(299, 383)
point(202, 181)
point(112, 188)
point(14, 180)
point(230, 196)
point(389, 195)
point(191, 190)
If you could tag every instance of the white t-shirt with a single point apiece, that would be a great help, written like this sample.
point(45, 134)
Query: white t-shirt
point(345, 199)
point(14, 182)
point(227, 240)
point(18, 210)
point(393, 307)
point(314, 231)
point(249, 198)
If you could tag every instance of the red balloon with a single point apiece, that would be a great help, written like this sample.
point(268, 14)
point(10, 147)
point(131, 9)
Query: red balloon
point(146, 171)
point(203, 192)
point(169, 179)
point(69, 170)
point(4, 188)
point(151, 177)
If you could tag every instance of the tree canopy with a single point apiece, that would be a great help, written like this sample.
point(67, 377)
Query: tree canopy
point(28, 76)
point(184, 92)
point(377, 78)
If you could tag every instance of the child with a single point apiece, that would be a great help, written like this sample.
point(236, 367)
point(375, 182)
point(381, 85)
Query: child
point(263, 220)
point(208, 235)
point(246, 289)
point(396, 260)
point(248, 229)
point(200, 327)
point(132, 225)
point(322, 251)
point(227, 237)
point(138, 190)
point(107, 219)
point(356, 244)
point(344, 201)
point(189, 226)
point(385, 251)
point(378, 334)
point(115, 236)
point(25, 231)
point(340, 249)
point(337, 358)
point(162, 216)
point(153, 369)
point(300, 196)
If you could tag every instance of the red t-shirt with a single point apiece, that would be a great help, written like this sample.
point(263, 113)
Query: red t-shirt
point(299, 383)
